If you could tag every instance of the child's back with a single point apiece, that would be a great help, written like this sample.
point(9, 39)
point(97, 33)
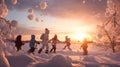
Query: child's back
point(18, 42)
point(32, 41)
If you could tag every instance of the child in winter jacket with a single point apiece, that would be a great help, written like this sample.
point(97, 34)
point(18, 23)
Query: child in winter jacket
point(67, 41)
point(84, 46)
point(18, 42)
point(45, 38)
point(54, 42)
point(32, 44)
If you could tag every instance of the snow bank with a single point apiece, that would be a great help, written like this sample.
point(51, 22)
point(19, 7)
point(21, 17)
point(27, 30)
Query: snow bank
point(57, 61)
point(20, 60)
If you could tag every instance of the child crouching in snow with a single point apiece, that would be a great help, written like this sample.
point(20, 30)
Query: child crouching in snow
point(32, 44)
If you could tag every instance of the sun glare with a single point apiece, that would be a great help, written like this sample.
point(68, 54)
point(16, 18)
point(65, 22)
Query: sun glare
point(80, 36)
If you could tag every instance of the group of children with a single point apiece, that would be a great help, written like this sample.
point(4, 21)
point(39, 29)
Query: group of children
point(45, 40)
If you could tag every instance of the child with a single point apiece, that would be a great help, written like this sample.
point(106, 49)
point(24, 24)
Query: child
point(67, 41)
point(44, 37)
point(54, 42)
point(18, 42)
point(84, 46)
point(32, 44)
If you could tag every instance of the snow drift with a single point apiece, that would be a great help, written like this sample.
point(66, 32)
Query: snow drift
point(57, 61)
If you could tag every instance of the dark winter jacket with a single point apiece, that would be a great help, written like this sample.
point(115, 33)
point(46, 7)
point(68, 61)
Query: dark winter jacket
point(18, 42)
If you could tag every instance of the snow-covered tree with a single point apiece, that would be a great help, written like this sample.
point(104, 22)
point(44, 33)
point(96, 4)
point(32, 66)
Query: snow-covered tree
point(109, 31)
point(6, 28)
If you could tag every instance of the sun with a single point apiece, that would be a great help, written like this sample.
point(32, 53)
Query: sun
point(80, 36)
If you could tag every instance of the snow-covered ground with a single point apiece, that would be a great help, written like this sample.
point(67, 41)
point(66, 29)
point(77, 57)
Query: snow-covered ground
point(97, 57)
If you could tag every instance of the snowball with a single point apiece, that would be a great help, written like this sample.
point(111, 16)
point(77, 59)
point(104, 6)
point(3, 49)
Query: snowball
point(31, 11)
point(37, 19)
point(14, 23)
point(43, 5)
point(14, 2)
point(30, 16)
point(4, 27)
point(3, 10)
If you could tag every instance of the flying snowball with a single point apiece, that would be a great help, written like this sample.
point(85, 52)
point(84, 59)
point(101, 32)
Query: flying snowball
point(14, 2)
point(3, 10)
point(43, 5)
point(31, 17)
point(14, 23)
point(31, 11)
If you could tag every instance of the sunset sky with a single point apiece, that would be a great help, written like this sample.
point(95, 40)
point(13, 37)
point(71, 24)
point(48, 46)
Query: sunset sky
point(62, 17)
